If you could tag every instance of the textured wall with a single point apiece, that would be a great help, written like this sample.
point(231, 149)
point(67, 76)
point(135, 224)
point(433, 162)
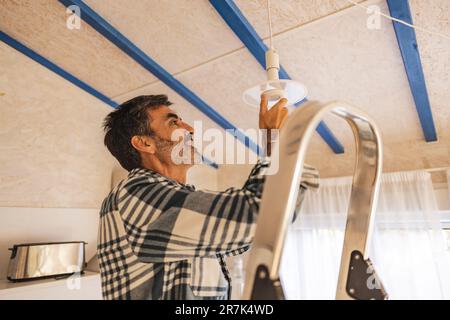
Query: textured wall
point(51, 148)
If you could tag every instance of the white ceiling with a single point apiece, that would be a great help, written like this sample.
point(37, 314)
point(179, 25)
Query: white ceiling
point(322, 43)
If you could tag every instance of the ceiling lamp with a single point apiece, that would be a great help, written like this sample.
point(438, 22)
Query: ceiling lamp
point(274, 88)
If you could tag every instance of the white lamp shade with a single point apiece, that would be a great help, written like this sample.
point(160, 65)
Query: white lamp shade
point(275, 90)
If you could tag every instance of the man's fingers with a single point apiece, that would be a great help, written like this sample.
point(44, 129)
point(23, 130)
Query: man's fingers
point(276, 116)
point(284, 116)
point(280, 104)
point(263, 105)
point(278, 107)
point(282, 113)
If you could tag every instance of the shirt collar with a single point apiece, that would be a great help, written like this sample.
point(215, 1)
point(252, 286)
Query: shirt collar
point(157, 177)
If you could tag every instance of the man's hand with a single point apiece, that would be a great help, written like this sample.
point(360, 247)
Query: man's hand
point(275, 117)
point(272, 119)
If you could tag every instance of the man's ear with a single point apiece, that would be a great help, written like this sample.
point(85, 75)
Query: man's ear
point(144, 144)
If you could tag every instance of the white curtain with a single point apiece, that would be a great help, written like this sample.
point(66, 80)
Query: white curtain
point(448, 183)
point(408, 248)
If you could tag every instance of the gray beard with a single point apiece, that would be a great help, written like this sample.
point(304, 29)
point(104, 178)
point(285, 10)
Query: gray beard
point(165, 149)
point(164, 145)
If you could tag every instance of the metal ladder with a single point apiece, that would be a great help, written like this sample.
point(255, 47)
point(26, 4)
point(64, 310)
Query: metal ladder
point(357, 277)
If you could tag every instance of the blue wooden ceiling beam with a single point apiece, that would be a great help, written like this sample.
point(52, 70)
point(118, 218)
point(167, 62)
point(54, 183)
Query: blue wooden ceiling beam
point(407, 42)
point(13, 43)
point(122, 42)
point(247, 34)
point(56, 69)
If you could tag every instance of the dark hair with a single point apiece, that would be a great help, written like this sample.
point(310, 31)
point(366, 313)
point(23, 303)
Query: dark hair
point(130, 119)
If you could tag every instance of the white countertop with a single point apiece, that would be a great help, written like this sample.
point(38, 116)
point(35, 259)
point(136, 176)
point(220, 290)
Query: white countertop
point(87, 286)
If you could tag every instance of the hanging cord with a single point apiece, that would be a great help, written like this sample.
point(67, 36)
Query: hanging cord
point(402, 22)
point(269, 17)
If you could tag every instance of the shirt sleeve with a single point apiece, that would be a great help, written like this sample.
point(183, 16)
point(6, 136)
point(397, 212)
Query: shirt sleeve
point(166, 222)
point(309, 182)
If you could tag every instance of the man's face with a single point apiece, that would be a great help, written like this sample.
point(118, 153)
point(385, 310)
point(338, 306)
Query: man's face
point(170, 131)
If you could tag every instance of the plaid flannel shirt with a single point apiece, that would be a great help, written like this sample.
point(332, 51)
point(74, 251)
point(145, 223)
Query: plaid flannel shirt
point(159, 239)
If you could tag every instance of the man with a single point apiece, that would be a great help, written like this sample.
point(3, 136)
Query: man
point(160, 238)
